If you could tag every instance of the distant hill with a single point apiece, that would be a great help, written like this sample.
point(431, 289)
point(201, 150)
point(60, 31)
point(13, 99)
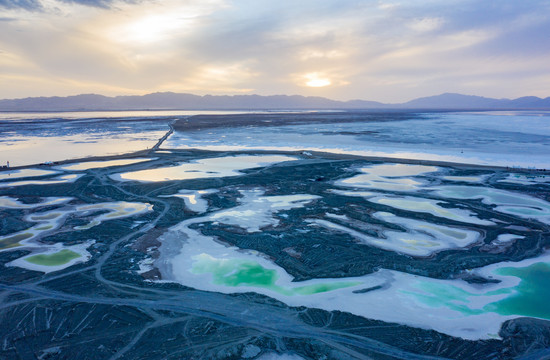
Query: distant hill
point(459, 101)
point(173, 101)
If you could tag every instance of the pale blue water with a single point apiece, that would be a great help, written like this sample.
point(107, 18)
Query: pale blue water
point(494, 138)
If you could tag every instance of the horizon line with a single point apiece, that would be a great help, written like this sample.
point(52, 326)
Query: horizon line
point(272, 95)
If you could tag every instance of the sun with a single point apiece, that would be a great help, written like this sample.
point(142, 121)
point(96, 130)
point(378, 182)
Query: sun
point(317, 80)
point(318, 83)
point(152, 28)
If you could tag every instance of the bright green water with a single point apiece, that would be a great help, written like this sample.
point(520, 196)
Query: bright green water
point(320, 288)
point(240, 272)
point(531, 297)
point(59, 258)
point(438, 295)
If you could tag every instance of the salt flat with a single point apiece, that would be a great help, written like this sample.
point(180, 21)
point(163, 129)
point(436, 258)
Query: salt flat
point(397, 258)
point(472, 138)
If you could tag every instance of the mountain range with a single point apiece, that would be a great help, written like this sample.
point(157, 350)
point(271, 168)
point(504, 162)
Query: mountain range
point(177, 101)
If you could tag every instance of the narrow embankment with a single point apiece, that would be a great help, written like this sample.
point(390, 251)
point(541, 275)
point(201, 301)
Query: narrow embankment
point(162, 139)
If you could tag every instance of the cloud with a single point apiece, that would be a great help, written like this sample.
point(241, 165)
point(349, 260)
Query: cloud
point(94, 3)
point(38, 5)
point(379, 50)
point(426, 24)
point(29, 5)
point(97, 3)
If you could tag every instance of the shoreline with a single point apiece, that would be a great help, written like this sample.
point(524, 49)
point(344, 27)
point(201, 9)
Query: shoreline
point(303, 153)
point(243, 120)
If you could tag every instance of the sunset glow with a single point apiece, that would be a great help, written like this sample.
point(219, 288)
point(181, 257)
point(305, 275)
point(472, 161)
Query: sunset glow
point(313, 80)
point(375, 50)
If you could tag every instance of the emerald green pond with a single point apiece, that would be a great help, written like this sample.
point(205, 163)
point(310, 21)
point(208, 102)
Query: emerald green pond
point(59, 258)
point(239, 272)
point(531, 297)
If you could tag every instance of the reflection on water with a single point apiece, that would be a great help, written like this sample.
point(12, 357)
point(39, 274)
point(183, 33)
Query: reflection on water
point(473, 179)
point(193, 199)
point(398, 170)
point(27, 142)
point(70, 178)
point(204, 168)
point(52, 220)
point(256, 211)
point(30, 150)
point(419, 238)
point(16, 174)
point(430, 207)
point(388, 177)
point(116, 210)
point(12, 203)
point(507, 202)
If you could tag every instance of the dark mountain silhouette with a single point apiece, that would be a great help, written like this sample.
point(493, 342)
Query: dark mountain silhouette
point(169, 100)
point(459, 101)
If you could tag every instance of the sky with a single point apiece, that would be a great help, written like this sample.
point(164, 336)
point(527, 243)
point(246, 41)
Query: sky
point(389, 51)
